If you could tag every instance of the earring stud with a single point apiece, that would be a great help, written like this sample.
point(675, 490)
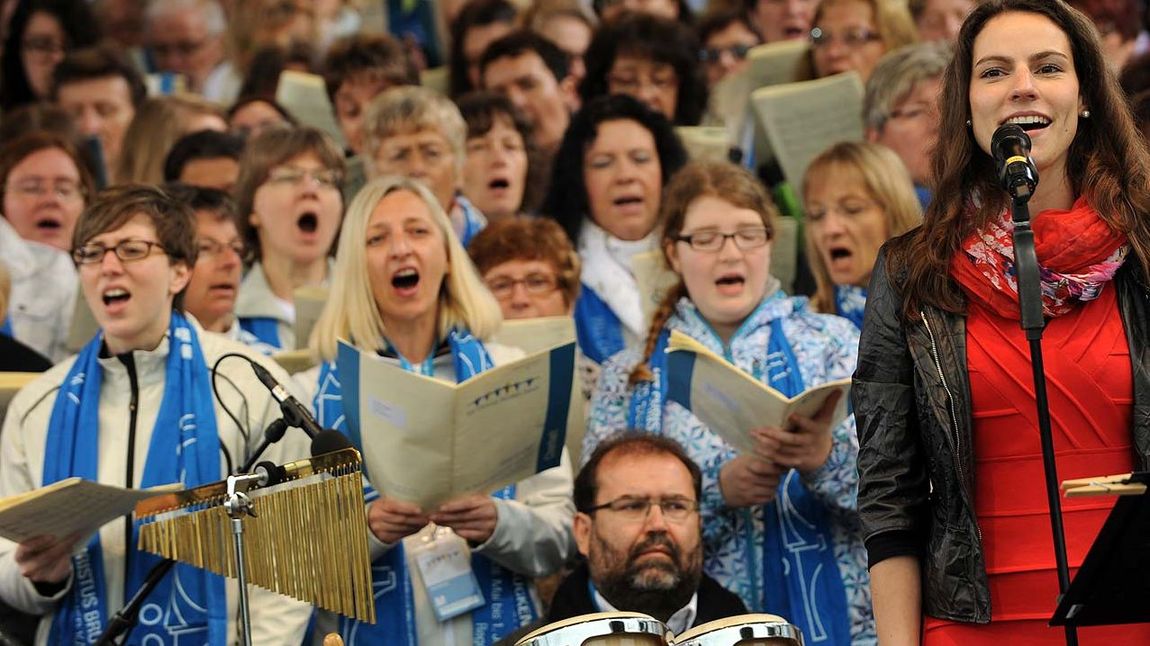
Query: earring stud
point(1085, 114)
point(968, 123)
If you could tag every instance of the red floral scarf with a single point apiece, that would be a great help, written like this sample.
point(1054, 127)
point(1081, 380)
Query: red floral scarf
point(1078, 253)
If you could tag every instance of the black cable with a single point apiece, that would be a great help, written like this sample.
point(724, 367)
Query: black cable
point(215, 389)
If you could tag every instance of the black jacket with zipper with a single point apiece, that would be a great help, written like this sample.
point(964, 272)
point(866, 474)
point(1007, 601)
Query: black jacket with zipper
point(912, 408)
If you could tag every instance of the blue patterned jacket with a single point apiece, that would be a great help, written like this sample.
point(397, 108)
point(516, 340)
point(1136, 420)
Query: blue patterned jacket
point(826, 348)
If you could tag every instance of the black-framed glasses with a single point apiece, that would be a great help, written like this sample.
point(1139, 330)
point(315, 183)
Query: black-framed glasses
point(125, 250)
point(712, 241)
point(713, 55)
point(853, 38)
point(536, 285)
point(675, 509)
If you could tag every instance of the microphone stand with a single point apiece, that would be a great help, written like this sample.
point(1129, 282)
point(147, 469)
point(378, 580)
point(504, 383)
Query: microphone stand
point(1033, 322)
point(121, 623)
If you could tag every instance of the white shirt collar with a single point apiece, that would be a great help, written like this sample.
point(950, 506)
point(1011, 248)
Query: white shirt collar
point(681, 620)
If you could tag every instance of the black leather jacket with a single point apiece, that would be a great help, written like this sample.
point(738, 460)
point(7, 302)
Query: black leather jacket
point(912, 408)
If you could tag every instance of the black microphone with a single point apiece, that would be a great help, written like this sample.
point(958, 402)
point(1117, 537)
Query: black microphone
point(1010, 146)
point(295, 413)
point(326, 441)
point(272, 434)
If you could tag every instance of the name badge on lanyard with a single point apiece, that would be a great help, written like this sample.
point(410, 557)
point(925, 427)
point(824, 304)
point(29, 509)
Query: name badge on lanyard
point(444, 562)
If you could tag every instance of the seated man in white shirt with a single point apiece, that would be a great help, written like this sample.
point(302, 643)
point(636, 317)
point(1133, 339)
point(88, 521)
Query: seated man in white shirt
point(638, 527)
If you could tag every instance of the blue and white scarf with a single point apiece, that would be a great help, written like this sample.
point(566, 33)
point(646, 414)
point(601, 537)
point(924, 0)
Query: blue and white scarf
point(507, 595)
point(264, 328)
point(610, 302)
point(800, 572)
point(850, 303)
point(189, 605)
point(597, 328)
point(473, 220)
point(6, 327)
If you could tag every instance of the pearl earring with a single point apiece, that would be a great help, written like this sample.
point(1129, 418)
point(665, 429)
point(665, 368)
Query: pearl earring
point(968, 123)
point(1085, 114)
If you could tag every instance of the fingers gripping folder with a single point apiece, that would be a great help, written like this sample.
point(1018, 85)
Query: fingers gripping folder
point(306, 535)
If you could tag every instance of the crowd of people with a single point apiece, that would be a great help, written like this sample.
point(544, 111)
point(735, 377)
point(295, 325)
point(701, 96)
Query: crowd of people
point(495, 160)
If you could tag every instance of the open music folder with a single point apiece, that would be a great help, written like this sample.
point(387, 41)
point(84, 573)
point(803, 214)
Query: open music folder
point(427, 441)
point(732, 402)
point(70, 506)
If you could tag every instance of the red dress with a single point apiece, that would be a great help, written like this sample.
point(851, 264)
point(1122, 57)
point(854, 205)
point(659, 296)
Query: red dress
point(1090, 388)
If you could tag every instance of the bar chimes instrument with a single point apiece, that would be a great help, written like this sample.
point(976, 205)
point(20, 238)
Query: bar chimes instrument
point(305, 536)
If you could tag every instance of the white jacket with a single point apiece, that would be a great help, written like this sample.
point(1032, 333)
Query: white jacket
point(532, 534)
point(275, 619)
point(256, 300)
point(44, 288)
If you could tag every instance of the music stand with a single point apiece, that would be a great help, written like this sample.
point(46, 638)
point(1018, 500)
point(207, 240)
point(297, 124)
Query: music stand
point(1113, 584)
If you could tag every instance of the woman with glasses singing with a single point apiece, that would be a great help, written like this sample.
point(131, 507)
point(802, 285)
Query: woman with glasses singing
point(220, 256)
point(43, 188)
point(290, 207)
point(533, 271)
point(136, 409)
point(45, 185)
point(404, 289)
point(852, 35)
point(530, 267)
point(856, 196)
point(780, 525)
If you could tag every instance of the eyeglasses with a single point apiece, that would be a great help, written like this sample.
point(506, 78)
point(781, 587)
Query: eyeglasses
point(712, 241)
point(44, 46)
point(713, 55)
point(853, 38)
point(64, 189)
point(535, 284)
point(126, 250)
point(289, 175)
point(675, 509)
point(213, 248)
point(183, 48)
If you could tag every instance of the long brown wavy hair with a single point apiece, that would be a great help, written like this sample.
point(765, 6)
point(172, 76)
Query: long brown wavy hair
point(1107, 163)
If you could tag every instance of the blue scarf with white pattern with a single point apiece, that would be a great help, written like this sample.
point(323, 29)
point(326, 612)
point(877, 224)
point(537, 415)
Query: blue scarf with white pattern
point(189, 604)
point(508, 595)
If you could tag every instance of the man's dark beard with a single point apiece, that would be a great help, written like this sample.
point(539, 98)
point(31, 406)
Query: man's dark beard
point(656, 588)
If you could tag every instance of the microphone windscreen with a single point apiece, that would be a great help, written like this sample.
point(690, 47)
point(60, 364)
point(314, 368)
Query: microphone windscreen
point(327, 441)
point(1008, 139)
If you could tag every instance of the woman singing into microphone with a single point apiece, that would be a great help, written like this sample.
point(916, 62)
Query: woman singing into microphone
point(951, 479)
